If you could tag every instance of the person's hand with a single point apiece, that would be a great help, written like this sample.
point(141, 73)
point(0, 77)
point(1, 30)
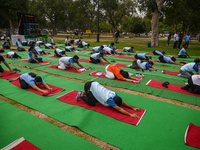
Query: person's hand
point(136, 109)
point(45, 91)
point(50, 89)
point(11, 70)
point(78, 70)
point(37, 61)
point(134, 116)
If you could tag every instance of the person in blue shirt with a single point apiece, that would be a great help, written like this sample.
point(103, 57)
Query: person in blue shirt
point(52, 41)
point(69, 62)
point(165, 59)
point(19, 45)
point(59, 52)
point(96, 58)
point(83, 45)
point(129, 49)
point(97, 49)
point(70, 49)
point(31, 42)
point(6, 44)
point(48, 46)
point(5, 63)
point(187, 39)
point(13, 55)
point(39, 50)
point(112, 46)
point(143, 65)
point(30, 79)
point(182, 52)
point(94, 92)
point(141, 56)
point(32, 56)
point(187, 70)
point(156, 52)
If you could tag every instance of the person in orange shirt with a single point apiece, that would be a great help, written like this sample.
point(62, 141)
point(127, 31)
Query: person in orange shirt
point(113, 71)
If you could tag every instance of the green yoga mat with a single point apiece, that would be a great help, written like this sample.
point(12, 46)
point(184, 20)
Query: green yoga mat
point(16, 123)
point(162, 127)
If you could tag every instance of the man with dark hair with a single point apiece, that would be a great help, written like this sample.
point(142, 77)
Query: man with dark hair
point(117, 36)
point(182, 52)
point(96, 58)
point(112, 46)
point(69, 62)
point(156, 52)
point(97, 93)
point(165, 59)
point(144, 65)
point(6, 44)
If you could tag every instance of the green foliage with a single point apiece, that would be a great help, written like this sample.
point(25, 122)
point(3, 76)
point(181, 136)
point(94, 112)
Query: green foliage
point(137, 25)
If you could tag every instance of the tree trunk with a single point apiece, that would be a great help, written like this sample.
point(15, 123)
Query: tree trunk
point(155, 29)
point(11, 26)
point(54, 29)
point(113, 27)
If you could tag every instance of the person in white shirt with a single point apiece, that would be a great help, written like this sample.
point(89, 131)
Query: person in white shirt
point(52, 41)
point(94, 92)
point(193, 84)
point(67, 41)
point(108, 50)
point(48, 46)
point(59, 52)
point(77, 41)
point(176, 39)
point(13, 55)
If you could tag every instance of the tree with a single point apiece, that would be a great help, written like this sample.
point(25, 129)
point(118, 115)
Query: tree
point(137, 25)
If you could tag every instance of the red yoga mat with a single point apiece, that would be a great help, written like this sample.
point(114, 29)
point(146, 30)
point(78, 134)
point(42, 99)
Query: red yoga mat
point(67, 69)
point(70, 98)
point(41, 63)
point(21, 144)
point(17, 50)
point(88, 61)
point(171, 87)
point(55, 89)
point(103, 76)
point(171, 73)
point(9, 75)
point(125, 57)
point(122, 65)
point(192, 136)
point(54, 56)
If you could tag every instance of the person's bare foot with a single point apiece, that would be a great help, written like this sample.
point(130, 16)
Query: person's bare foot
point(56, 66)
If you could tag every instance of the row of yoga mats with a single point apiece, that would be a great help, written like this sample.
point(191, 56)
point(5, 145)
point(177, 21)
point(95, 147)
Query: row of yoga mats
point(162, 127)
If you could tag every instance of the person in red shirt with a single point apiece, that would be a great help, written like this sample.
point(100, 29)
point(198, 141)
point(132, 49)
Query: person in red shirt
point(113, 71)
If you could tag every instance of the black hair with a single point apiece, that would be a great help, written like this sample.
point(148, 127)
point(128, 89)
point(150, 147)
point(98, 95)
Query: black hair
point(150, 63)
point(88, 45)
point(102, 46)
point(32, 74)
point(112, 52)
point(112, 44)
point(101, 53)
point(38, 79)
point(76, 57)
point(8, 40)
point(132, 47)
point(184, 45)
point(31, 48)
point(163, 53)
point(124, 73)
point(147, 58)
point(197, 60)
point(173, 58)
point(118, 100)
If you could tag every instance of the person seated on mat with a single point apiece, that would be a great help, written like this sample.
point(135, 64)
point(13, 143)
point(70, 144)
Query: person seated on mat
point(94, 92)
point(156, 52)
point(24, 43)
point(83, 45)
point(6, 44)
point(52, 41)
point(165, 59)
point(143, 65)
point(97, 49)
point(182, 52)
point(108, 51)
point(69, 48)
point(67, 41)
point(141, 56)
point(69, 62)
point(5, 63)
point(187, 70)
point(31, 42)
point(30, 79)
point(13, 55)
point(193, 84)
point(39, 50)
point(19, 45)
point(48, 46)
point(112, 47)
point(129, 49)
point(32, 56)
point(77, 41)
point(113, 71)
point(59, 52)
point(39, 43)
point(96, 58)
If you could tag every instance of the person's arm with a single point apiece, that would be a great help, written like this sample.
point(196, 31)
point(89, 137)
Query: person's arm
point(129, 106)
point(106, 60)
point(121, 110)
point(187, 54)
point(198, 72)
point(177, 63)
point(7, 66)
point(80, 65)
point(35, 87)
point(47, 87)
point(133, 78)
point(75, 67)
point(153, 69)
point(34, 59)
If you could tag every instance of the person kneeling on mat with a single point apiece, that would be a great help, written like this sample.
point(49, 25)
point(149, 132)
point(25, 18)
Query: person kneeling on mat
point(59, 52)
point(48, 46)
point(5, 63)
point(141, 56)
point(187, 70)
point(94, 92)
point(165, 59)
point(70, 49)
point(193, 84)
point(13, 55)
point(32, 80)
point(129, 49)
point(32, 56)
point(6, 44)
point(96, 58)
point(19, 45)
point(113, 71)
point(143, 65)
point(69, 62)
point(182, 52)
point(39, 50)
point(156, 52)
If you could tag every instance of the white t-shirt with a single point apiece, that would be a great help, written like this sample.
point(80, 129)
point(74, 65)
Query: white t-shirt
point(176, 38)
point(196, 79)
point(67, 40)
point(107, 49)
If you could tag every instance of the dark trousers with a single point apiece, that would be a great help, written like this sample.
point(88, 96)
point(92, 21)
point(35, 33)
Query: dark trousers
point(33, 61)
point(179, 43)
point(193, 88)
point(58, 55)
point(89, 98)
point(155, 53)
point(161, 59)
point(182, 56)
point(20, 49)
point(92, 60)
point(1, 69)
point(23, 84)
point(175, 44)
point(168, 41)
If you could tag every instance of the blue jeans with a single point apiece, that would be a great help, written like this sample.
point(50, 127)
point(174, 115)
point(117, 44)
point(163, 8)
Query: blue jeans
point(175, 44)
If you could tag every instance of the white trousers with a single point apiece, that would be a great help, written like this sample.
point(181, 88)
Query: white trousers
point(109, 74)
point(63, 66)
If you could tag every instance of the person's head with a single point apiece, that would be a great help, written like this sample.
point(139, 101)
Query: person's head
point(8, 40)
point(132, 48)
point(101, 54)
point(18, 39)
point(38, 80)
point(102, 47)
point(188, 33)
point(118, 100)
point(31, 49)
point(150, 63)
point(163, 53)
point(75, 58)
point(112, 44)
point(52, 37)
point(197, 61)
point(124, 73)
point(8, 56)
point(67, 37)
point(173, 59)
point(184, 45)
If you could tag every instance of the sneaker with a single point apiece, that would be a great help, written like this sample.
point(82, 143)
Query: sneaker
point(82, 92)
point(130, 74)
point(139, 75)
point(78, 96)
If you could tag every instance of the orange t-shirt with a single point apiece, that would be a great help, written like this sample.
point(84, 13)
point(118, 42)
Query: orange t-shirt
point(115, 70)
